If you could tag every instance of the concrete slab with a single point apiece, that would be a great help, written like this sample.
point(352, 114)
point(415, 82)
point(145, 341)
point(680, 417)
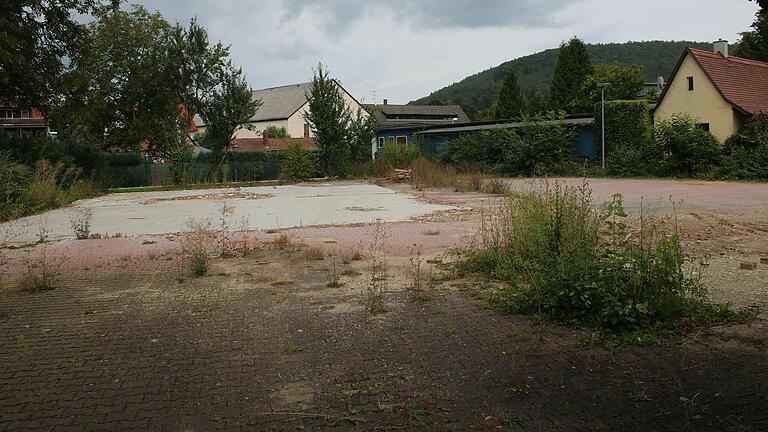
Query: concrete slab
point(254, 208)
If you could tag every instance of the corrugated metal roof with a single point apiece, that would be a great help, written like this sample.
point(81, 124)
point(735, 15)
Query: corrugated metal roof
point(414, 116)
point(478, 127)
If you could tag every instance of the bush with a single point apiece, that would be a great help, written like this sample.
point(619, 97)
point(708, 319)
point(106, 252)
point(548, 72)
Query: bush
point(298, 164)
point(745, 155)
point(628, 137)
point(14, 178)
point(397, 156)
point(544, 146)
point(687, 149)
point(277, 132)
point(573, 264)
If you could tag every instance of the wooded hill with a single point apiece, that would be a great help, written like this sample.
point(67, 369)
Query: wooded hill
point(535, 71)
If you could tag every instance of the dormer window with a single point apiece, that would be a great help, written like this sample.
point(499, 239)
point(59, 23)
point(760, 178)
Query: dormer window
point(690, 83)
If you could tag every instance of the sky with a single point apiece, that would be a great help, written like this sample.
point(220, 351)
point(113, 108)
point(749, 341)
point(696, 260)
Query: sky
point(405, 49)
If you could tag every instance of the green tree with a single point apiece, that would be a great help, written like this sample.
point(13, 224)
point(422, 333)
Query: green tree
point(228, 108)
point(687, 149)
point(511, 104)
point(35, 37)
point(362, 132)
point(120, 90)
point(754, 43)
point(626, 82)
point(329, 118)
point(572, 68)
point(196, 67)
point(298, 164)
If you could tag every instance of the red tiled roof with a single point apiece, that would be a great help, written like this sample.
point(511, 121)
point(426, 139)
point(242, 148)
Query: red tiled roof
point(743, 82)
point(273, 144)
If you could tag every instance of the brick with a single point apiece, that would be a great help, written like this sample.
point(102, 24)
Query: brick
point(748, 266)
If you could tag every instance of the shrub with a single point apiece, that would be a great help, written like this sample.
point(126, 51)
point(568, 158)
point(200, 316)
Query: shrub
point(14, 178)
point(397, 156)
point(277, 132)
point(573, 264)
point(745, 155)
point(628, 136)
point(81, 223)
point(687, 149)
point(298, 164)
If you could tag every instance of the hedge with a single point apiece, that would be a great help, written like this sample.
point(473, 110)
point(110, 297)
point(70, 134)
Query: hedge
point(628, 135)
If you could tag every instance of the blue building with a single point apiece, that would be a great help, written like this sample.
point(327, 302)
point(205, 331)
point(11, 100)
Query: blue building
point(399, 124)
point(433, 138)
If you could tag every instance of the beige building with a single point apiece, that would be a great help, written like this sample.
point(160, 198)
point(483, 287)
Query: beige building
point(722, 92)
point(285, 107)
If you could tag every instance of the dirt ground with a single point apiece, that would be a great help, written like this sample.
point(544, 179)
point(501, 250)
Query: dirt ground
point(130, 341)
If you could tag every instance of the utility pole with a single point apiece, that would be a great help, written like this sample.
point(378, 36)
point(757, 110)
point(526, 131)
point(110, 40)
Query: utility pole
point(602, 87)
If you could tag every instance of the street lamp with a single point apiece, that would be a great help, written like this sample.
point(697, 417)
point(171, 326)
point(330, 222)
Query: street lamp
point(234, 149)
point(602, 87)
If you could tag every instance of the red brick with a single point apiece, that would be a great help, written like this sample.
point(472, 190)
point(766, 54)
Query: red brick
point(749, 266)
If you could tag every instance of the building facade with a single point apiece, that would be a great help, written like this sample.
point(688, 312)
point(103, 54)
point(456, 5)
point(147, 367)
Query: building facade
point(18, 120)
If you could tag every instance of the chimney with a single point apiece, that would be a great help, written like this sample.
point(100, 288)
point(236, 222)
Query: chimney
point(721, 46)
point(385, 101)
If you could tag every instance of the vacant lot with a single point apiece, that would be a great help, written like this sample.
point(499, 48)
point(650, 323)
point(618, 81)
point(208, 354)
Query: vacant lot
point(129, 341)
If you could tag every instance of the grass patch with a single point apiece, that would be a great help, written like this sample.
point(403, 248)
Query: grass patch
point(563, 258)
point(432, 232)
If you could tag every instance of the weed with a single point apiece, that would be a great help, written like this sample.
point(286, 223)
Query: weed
point(314, 254)
point(350, 272)
point(566, 261)
point(431, 232)
point(334, 279)
point(196, 245)
point(42, 272)
point(377, 266)
point(148, 242)
point(199, 263)
point(494, 186)
point(294, 348)
point(282, 241)
point(81, 223)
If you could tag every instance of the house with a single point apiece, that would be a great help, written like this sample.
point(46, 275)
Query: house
point(719, 90)
point(399, 123)
point(283, 107)
point(22, 121)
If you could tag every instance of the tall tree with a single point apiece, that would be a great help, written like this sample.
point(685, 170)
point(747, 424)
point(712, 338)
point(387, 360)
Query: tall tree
point(329, 117)
point(198, 65)
point(626, 82)
point(571, 70)
point(120, 89)
point(512, 103)
point(754, 44)
point(35, 37)
point(229, 107)
point(362, 132)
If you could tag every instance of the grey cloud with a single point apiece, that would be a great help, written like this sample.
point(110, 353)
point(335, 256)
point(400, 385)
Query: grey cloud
point(339, 14)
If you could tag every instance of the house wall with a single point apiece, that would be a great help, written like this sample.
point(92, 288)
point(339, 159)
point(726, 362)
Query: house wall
point(295, 124)
point(703, 103)
point(393, 135)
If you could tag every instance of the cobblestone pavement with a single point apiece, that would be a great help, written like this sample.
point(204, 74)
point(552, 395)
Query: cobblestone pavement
point(264, 344)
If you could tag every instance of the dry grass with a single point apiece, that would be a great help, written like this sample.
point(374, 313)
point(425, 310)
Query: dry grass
point(281, 242)
point(314, 254)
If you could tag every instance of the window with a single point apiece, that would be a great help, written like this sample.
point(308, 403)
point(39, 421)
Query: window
point(306, 130)
point(25, 114)
point(690, 83)
point(402, 141)
point(391, 139)
point(381, 143)
point(703, 126)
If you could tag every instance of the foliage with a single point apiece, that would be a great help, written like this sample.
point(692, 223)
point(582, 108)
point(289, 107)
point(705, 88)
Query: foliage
point(277, 132)
point(754, 43)
point(329, 118)
point(511, 103)
point(397, 156)
point(14, 178)
point(628, 137)
point(228, 107)
point(745, 155)
point(625, 82)
point(571, 71)
point(362, 132)
point(81, 223)
point(568, 262)
point(687, 150)
point(545, 145)
point(298, 164)
point(535, 71)
point(36, 38)
point(179, 158)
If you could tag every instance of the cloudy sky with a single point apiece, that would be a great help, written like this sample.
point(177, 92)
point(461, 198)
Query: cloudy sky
point(405, 49)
